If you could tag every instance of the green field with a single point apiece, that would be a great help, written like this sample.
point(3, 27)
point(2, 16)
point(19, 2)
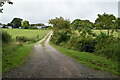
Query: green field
point(26, 32)
point(15, 53)
point(115, 34)
point(91, 60)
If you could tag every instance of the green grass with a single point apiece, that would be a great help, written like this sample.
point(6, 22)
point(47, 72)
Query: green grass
point(15, 53)
point(91, 60)
point(115, 34)
point(26, 32)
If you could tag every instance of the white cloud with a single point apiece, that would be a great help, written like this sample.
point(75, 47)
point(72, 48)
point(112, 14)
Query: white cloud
point(37, 11)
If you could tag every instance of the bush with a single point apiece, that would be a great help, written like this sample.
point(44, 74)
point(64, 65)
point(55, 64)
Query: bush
point(107, 46)
point(6, 37)
point(22, 39)
point(60, 37)
point(32, 27)
point(82, 44)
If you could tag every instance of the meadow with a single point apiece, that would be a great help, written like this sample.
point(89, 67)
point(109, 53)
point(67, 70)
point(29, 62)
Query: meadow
point(26, 32)
point(115, 34)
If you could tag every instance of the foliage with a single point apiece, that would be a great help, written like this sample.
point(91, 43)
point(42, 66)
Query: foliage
point(32, 27)
point(78, 24)
point(59, 23)
point(105, 21)
point(60, 36)
point(39, 24)
point(25, 24)
point(6, 37)
point(87, 40)
point(82, 44)
point(16, 22)
point(107, 45)
point(75, 24)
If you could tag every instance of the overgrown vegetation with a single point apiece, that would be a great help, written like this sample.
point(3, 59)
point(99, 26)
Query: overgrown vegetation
point(105, 44)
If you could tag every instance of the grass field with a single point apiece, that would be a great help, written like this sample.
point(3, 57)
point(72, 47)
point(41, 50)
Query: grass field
point(115, 34)
point(26, 32)
point(91, 60)
point(15, 53)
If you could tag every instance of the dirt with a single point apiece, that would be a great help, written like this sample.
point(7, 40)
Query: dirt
point(47, 62)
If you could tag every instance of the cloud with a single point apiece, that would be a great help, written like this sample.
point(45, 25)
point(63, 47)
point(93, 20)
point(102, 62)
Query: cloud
point(37, 11)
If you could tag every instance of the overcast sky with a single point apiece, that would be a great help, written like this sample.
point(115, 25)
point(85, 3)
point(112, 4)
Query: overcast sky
point(40, 11)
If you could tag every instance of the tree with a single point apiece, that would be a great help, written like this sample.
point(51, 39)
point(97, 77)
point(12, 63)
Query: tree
point(85, 28)
point(25, 24)
point(59, 23)
point(2, 2)
point(105, 21)
point(9, 24)
point(16, 22)
point(75, 24)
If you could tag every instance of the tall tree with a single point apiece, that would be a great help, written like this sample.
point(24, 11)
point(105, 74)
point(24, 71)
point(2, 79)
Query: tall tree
point(25, 24)
point(16, 22)
point(75, 24)
point(59, 23)
point(105, 21)
point(85, 28)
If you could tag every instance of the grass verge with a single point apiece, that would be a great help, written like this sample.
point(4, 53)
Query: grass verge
point(14, 55)
point(89, 59)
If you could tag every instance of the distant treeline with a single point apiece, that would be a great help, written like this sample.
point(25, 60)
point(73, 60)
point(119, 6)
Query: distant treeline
point(20, 23)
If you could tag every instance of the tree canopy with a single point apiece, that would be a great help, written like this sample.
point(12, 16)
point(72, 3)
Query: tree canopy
point(105, 21)
point(25, 24)
point(16, 22)
point(59, 23)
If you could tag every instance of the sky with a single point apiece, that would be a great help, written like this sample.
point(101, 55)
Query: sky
point(40, 11)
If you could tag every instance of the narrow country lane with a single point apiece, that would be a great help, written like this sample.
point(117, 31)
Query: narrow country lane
point(47, 62)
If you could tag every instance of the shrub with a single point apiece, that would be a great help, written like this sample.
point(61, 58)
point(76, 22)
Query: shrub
point(83, 44)
point(6, 37)
point(60, 36)
point(22, 39)
point(107, 46)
